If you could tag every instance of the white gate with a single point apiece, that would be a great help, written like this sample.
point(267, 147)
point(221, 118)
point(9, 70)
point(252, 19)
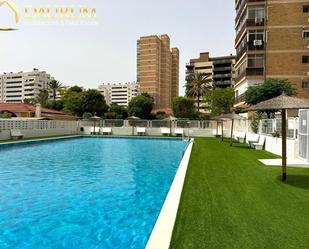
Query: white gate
point(304, 134)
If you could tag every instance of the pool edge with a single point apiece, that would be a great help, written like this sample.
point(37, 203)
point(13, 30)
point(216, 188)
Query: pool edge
point(161, 234)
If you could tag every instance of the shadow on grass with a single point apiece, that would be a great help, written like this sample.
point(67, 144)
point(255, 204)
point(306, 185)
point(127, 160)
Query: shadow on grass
point(298, 181)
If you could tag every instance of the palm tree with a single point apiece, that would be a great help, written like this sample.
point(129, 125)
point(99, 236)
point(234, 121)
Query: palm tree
point(42, 97)
point(54, 85)
point(197, 85)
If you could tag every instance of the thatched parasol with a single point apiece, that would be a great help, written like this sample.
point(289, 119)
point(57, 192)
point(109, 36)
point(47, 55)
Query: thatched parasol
point(229, 116)
point(171, 119)
point(281, 103)
point(133, 118)
point(94, 118)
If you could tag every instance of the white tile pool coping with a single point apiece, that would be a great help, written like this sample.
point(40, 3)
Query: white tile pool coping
point(38, 139)
point(161, 235)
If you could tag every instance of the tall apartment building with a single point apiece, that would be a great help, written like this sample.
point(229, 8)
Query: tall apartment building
point(272, 41)
point(158, 69)
point(16, 87)
point(120, 94)
point(220, 69)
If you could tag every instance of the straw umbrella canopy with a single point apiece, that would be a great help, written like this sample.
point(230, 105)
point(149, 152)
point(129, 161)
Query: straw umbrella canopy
point(170, 119)
point(133, 118)
point(281, 103)
point(229, 116)
point(94, 118)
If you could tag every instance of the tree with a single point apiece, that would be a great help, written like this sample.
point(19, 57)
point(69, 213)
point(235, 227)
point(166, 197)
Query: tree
point(269, 89)
point(221, 100)
point(197, 85)
point(56, 105)
point(87, 115)
point(31, 101)
point(5, 115)
point(141, 106)
point(54, 85)
point(72, 102)
point(77, 89)
point(118, 111)
point(184, 107)
point(93, 101)
point(42, 98)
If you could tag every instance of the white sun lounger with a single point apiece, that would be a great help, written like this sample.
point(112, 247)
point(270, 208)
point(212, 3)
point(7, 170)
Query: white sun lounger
point(16, 134)
point(178, 132)
point(165, 131)
point(107, 130)
point(252, 138)
point(95, 130)
point(260, 144)
point(240, 136)
point(141, 130)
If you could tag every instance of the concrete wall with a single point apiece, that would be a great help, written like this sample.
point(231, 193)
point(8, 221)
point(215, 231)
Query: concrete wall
point(6, 135)
point(274, 145)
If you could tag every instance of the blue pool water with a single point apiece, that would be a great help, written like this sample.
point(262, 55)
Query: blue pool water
point(84, 193)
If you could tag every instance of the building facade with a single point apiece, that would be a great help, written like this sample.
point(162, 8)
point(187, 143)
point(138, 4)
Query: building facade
point(16, 87)
point(219, 69)
point(120, 94)
point(272, 41)
point(158, 69)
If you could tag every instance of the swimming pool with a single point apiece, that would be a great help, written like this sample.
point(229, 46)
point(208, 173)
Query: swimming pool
point(84, 192)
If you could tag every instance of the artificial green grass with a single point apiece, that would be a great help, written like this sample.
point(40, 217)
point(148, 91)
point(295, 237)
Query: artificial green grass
point(230, 200)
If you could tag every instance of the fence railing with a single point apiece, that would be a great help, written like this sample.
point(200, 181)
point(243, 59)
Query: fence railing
point(266, 126)
point(198, 124)
point(269, 127)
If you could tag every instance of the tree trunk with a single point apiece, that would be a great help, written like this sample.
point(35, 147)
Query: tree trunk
point(198, 103)
point(54, 94)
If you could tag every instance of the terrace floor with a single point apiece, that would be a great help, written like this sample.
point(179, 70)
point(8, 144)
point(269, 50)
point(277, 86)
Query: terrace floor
point(231, 200)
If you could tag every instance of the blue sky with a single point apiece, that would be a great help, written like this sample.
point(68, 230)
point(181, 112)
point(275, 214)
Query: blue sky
point(88, 55)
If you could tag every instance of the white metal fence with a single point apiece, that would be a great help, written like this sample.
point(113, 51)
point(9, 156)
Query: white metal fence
point(198, 124)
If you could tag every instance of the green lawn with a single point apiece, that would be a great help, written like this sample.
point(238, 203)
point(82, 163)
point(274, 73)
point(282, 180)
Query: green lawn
point(230, 200)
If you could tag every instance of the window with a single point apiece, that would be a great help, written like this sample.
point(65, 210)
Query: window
point(305, 84)
point(306, 34)
point(256, 12)
point(306, 9)
point(255, 35)
point(306, 59)
point(256, 61)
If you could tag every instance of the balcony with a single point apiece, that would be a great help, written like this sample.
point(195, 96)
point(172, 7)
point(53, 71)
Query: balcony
point(222, 76)
point(190, 66)
point(223, 83)
point(249, 23)
point(222, 69)
point(241, 6)
point(250, 71)
point(250, 47)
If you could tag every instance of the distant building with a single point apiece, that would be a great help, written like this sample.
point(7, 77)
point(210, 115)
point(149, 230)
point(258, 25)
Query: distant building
point(158, 69)
point(16, 87)
point(120, 94)
point(272, 41)
point(220, 69)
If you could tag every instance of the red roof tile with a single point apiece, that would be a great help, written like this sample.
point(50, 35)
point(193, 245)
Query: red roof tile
point(21, 107)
